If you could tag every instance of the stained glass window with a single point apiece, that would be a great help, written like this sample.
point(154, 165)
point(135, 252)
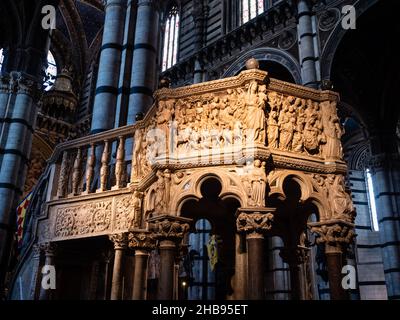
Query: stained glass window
point(51, 72)
point(170, 47)
point(1, 58)
point(251, 9)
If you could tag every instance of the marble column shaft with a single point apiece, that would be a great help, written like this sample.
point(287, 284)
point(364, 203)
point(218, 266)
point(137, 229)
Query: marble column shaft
point(144, 68)
point(306, 45)
point(166, 282)
point(126, 65)
point(109, 67)
point(19, 92)
point(386, 177)
point(140, 275)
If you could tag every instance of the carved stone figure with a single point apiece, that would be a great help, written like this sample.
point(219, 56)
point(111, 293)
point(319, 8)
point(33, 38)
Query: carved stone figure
point(136, 214)
point(332, 130)
point(342, 205)
point(254, 182)
point(273, 129)
point(255, 119)
point(138, 154)
point(159, 200)
point(258, 183)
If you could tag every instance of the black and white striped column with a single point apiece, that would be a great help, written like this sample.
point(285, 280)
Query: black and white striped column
point(198, 18)
point(144, 70)
point(385, 173)
point(18, 121)
point(109, 68)
point(126, 65)
point(307, 53)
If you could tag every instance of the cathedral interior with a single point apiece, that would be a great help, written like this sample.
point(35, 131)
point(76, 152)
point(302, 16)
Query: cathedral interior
point(199, 150)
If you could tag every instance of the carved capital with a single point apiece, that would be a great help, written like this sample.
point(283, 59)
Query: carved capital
point(294, 255)
point(120, 240)
point(336, 234)
point(255, 221)
point(49, 248)
point(141, 240)
point(167, 227)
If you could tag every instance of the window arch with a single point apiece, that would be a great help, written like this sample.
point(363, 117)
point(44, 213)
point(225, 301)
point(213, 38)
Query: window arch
point(251, 9)
point(50, 73)
point(1, 58)
point(171, 35)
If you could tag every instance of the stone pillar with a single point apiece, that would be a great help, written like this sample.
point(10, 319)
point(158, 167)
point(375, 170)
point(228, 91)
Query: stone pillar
point(255, 222)
point(198, 14)
point(120, 244)
point(109, 66)
point(36, 272)
point(336, 236)
point(49, 252)
point(145, 51)
point(142, 242)
point(169, 230)
point(306, 45)
point(126, 65)
point(385, 174)
point(167, 256)
point(280, 270)
point(294, 257)
point(19, 116)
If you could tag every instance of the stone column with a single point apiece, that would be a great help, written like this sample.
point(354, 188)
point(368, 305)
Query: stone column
point(336, 236)
point(294, 257)
point(198, 14)
point(169, 230)
point(109, 66)
point(280, 270)
point(385, 174)
point(16, 132)
point(36, 272)
point(126, 65)
point(120, 244)
point(306, 45)
point(142, 242)
point(255, 222)
point(145, 51)
point(49, 252)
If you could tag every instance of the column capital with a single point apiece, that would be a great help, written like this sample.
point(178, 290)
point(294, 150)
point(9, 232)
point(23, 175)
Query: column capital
point(254, 220)
point(168, 227)
point(141, 240)
point(335, 234)
point(293, 255)
point(149, 3)
point(120, 240)
point(49, 248)
point(108, 3)
point(19, 82)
